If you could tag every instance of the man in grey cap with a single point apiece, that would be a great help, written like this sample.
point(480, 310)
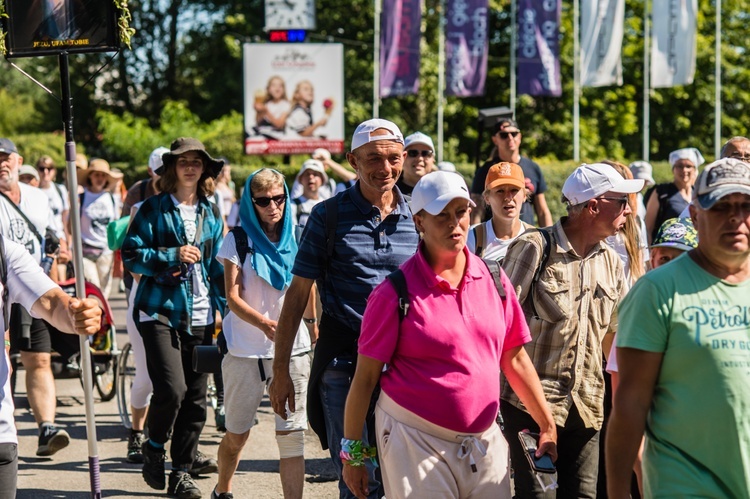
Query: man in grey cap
point(683, 356)
point(350, 244)
point(419, 160)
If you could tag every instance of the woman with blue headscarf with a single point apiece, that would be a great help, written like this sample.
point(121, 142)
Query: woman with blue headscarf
point(257, 274)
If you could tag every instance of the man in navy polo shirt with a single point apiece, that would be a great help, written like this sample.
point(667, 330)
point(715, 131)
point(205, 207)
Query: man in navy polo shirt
point(374, 234)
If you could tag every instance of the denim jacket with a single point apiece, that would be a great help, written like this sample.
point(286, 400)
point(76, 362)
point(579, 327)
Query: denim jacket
point(152, 246)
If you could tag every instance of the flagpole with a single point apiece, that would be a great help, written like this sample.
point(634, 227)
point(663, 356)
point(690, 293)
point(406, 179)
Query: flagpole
point(376, 64)
point(646, 81)
point(441, 80)
point(717, 86)
point(576, 85)
point(513, 48)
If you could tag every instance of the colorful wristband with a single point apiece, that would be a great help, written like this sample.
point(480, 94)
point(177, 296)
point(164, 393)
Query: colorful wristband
point(354, 453)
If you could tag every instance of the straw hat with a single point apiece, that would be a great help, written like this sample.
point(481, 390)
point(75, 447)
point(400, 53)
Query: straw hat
point(98, 165)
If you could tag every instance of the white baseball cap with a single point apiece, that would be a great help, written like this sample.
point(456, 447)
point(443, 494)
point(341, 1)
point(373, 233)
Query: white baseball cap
point(721, 178)
point(435, 190)
point(363, 133)
point(314, 165)
point(644, 170)
point(28, 170)
point(154, 160)
point(446, 166)
point(418, 138)
point(591, 181)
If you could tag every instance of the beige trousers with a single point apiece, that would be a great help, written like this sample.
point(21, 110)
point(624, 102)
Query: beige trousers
point(419, 459)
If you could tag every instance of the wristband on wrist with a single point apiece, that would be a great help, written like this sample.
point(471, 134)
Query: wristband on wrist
point(310, 320)
point(354, 453)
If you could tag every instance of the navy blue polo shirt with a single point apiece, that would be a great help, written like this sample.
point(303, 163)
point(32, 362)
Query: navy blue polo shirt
point(367, 249)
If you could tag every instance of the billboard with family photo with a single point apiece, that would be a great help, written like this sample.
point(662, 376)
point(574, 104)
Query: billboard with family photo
point(49, 27)
point(294, 98)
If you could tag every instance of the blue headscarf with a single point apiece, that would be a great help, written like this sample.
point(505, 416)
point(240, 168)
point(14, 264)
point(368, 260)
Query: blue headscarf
point(272, 262)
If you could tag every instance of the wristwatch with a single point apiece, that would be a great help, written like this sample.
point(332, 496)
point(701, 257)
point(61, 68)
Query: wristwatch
point(311, 320)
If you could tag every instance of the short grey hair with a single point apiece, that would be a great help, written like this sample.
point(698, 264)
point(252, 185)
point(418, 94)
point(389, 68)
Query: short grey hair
point(733, 140)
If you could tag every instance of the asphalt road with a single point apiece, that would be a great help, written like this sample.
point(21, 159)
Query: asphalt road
point(66, 475)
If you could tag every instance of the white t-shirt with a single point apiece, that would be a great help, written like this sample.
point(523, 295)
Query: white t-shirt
point(201, 302)
point(494, 248)
point(27, 283)
point(97, 211)
point(58, 203)
point(246, 340)
point(35, 205)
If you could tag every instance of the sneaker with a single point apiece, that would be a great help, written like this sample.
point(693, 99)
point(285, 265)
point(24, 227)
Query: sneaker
point(182, 485)
point(153, 466)
point(221, 418)
point(51, 440)
point(203, 465)
point(223, 495)
point(135, 441)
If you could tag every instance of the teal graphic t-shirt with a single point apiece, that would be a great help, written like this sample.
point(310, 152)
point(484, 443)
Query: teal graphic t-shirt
point(698, 428)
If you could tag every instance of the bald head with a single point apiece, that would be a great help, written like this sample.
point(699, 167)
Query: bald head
point(738, 148)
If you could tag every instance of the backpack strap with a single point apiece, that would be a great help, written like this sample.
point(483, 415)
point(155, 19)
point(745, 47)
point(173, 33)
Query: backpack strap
point(142, 188)
point(240, 243)
point(480, 234)
point(546, 249)
point(59, 193)
point(495, 269)
point(4, 281)
point(332, 215)
point(398, 280)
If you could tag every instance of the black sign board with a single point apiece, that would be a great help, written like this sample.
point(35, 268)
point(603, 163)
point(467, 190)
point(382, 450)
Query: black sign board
point(50, 27)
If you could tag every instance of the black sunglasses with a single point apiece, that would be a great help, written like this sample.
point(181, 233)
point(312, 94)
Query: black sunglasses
point(621, 201)
point(45, 168)
point(504, 135)
point(264, 201)
point(413, 153)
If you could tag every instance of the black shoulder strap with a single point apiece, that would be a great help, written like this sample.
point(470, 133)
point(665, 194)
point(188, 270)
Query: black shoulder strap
point(240, 243)
point(494, 267)
point(479, 236)
point(398, 280)
point(332, 216)
point(32, 227)
point(59, 193)
point(142, 187)
point(546, 249)
point(4, 280)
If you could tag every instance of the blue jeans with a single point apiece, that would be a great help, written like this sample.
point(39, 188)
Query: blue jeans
point(334, 388)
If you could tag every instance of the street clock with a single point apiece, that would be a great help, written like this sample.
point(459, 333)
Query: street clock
point(290, 14)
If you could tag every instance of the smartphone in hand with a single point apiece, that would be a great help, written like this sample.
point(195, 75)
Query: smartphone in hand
point(530, 443)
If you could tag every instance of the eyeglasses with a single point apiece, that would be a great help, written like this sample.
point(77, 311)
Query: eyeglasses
point(740, 156)
point(621, 201)
point(45, 168)
point(413, 153)
point(505, 135)
point(264, 201)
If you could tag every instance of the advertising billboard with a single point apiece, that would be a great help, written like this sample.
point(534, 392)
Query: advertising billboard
point(47, 27)
point(294, 97)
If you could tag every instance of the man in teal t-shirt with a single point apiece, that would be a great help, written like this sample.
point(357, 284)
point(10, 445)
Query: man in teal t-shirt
point(684, 356)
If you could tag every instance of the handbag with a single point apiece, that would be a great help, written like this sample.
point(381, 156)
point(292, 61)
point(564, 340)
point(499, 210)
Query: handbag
point(116, 231)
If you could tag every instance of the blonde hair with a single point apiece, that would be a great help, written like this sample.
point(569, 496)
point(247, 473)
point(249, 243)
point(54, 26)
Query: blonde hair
point(268, 87)
point(631, 231)
point(265, 179)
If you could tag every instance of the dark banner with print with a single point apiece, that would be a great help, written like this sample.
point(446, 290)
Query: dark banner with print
point(399, 47)
point(539, 47)
point(466, 47)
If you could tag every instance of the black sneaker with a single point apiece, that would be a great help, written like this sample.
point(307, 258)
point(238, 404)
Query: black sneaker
point(153, 466)
point(203, 465)
point(135, 441)
point(223, 495)
point(181, 485)
point(51, 440)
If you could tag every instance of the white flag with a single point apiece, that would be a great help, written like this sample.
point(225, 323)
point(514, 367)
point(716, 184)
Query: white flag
point(602, 24)
point(673, 43)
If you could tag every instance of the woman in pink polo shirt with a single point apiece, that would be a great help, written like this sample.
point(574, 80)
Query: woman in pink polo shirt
point(435, 417)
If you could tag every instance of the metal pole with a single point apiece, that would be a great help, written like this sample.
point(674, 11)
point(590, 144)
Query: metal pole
point(513, 48)
point(70, 164)
point(576, 86)
point(717, 86)
point(647, 80)
point(441, 81)
point(376, 64)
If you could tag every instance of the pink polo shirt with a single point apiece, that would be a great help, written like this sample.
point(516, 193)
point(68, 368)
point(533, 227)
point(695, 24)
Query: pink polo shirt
point(444, 360)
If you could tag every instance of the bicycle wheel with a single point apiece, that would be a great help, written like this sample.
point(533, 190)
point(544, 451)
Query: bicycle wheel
point(126, 370)
point(105, 379)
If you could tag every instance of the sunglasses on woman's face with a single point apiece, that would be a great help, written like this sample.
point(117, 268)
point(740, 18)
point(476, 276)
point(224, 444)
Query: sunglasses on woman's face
point(413, 153)
point(264, 201)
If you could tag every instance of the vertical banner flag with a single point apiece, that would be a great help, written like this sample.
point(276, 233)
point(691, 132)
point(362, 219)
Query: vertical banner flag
point(399, 47)
point(466, 47)
point(673, 31)
point(539, 47)
point(602, 24)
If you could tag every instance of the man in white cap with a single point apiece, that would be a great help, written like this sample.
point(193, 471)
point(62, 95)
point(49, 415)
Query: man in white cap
point(312, 176)
point(350, 244)
point(419, 160)
point(569, 283)
point(683, 356)
point(144, 189)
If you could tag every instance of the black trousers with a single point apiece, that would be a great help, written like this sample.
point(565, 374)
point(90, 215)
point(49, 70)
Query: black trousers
point(8, 470)
point(178, 404)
